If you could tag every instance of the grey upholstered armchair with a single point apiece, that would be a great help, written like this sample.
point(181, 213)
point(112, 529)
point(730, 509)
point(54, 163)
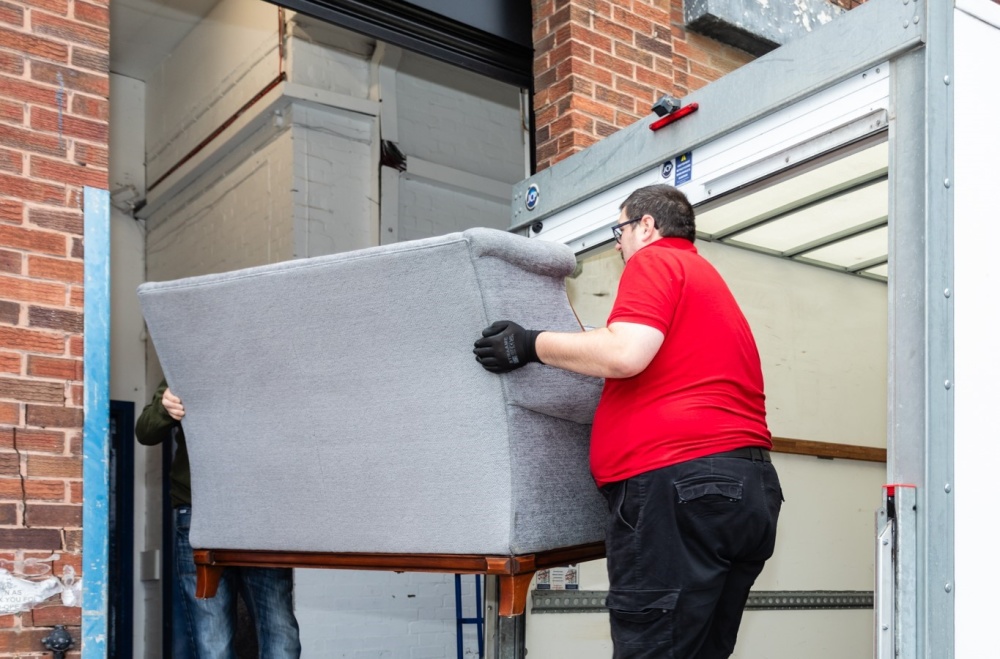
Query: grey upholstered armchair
point(337, 403)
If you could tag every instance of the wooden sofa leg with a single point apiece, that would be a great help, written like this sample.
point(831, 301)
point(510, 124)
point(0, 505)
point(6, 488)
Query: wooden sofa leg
point(514, 593)
point(209, 577)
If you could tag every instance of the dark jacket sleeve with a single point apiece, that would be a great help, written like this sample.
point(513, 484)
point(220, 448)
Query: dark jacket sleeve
point(154, 424)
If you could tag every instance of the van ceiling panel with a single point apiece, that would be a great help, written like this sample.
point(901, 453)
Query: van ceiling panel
point(834, 215)
point(853, 252)
point(795, 192)
point(880, 271)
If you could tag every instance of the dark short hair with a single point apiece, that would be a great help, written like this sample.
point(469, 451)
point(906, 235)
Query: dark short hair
point(671, 211)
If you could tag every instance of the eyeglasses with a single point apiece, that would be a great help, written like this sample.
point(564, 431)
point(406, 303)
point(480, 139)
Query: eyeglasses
point(617, 229)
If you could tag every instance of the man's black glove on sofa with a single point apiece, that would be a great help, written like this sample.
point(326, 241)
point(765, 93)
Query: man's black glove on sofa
point(506, 346)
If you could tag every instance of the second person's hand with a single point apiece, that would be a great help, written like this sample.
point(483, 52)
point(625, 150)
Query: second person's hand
point(173, 405)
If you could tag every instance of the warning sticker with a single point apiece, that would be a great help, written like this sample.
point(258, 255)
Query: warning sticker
point(682, 168)
point(558, 578)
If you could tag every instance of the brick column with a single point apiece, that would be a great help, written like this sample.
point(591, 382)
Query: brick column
point(53, 141)
point(601, 64)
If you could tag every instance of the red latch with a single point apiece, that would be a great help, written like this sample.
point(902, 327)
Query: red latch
point(890, 488)
point(673, 116)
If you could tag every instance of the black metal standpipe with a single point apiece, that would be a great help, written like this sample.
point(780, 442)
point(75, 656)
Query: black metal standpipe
point(59, 642)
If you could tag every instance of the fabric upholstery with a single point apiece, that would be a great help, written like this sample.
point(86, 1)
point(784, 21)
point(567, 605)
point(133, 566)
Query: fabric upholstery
point(334, 404)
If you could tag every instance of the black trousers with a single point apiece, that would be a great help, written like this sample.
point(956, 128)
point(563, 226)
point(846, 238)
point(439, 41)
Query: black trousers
point(685, 543)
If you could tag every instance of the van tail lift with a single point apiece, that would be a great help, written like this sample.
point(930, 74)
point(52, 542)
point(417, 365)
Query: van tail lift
point(895, 572)
point(669, 110)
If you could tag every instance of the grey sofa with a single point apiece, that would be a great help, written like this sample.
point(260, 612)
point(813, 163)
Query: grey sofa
point(334, 404)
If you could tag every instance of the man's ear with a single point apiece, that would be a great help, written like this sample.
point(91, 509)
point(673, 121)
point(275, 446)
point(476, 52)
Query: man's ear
point(648, 224)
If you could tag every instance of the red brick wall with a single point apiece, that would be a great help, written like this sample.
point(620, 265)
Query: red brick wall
point(53, 141)
point(601, 64)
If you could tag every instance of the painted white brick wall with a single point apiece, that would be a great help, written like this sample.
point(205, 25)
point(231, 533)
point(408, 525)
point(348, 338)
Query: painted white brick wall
point(429, 209)
point(222, 63)
point(241, 221)
point(356, 614)
point(460, 120)
point(330, 58)
point(457, 118)
point(333, 207)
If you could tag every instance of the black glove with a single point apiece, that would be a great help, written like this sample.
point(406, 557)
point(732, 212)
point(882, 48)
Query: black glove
point(506, 346)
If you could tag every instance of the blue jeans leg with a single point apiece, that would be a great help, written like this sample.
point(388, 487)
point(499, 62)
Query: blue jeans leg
point(182, 641)
point(268, 594)
point(212, 621)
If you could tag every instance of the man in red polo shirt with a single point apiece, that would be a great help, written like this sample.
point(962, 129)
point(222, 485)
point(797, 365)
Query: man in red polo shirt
point(680, 445)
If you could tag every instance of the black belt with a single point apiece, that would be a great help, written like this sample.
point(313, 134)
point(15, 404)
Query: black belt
point(747, 453)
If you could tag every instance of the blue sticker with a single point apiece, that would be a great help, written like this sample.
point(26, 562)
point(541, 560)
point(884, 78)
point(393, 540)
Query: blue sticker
point(531, 197)
point(666, 169)
point(683, 166)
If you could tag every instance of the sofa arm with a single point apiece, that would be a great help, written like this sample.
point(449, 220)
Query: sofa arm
point(555, 392)
point(536, 256)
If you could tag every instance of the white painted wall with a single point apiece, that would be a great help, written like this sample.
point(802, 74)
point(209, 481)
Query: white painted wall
point(464, 143)
point(128, 345)
point(345, 613)
point(222, 64)
point(977, 352)
point(330, 58)
point(242, 220)
point(428, 208)
point(334, 208)
point(460, 119)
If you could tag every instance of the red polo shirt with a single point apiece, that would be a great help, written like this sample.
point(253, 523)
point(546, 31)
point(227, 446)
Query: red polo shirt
point(703, 392)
